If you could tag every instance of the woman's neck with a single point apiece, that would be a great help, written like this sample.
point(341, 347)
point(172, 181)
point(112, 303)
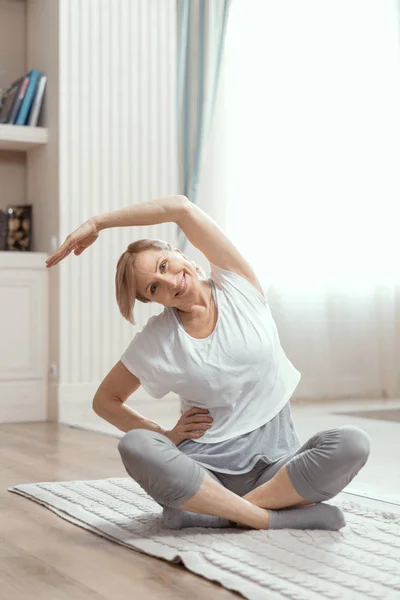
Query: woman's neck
point(202, 308)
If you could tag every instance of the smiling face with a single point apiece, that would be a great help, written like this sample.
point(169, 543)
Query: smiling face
point(166, 277)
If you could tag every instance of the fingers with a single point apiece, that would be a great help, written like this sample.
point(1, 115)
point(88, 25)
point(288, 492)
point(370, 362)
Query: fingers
point(193, 436)
point(60, 254)
point(205, 419)
point(202, 416)
point(195, 411)
point(197, 424)
point(77, 241)
point(57, 257)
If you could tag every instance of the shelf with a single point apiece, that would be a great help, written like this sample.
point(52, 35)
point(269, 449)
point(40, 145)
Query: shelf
point(22, 138)
point(23, 260)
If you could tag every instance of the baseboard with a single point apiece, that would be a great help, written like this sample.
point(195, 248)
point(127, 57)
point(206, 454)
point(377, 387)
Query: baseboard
point(23, 401)
point(52, 402)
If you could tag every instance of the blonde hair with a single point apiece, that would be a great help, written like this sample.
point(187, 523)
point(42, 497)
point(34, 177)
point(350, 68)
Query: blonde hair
point(125, 281)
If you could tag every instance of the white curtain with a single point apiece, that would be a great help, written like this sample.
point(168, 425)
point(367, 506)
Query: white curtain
point(312, 114)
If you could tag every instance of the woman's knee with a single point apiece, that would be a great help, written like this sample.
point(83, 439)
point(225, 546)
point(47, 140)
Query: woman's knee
point(137, 443)
point(354, 444)
point(163, 471)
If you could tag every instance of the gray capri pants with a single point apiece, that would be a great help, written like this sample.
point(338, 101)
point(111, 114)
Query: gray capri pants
point(318, 470)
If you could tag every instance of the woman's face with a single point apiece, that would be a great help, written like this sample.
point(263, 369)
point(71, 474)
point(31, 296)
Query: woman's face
point(166, 277)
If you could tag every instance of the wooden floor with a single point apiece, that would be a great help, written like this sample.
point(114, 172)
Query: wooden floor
point(44, 557)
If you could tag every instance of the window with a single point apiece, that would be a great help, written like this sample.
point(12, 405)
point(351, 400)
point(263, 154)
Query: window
point(313, 150)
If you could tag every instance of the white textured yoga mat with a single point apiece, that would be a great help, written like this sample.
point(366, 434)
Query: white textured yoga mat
point(359, 562)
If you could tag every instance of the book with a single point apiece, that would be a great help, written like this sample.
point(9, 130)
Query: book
point(37, 102)
point(10, 99)
point(18, 100)
point(34, 78)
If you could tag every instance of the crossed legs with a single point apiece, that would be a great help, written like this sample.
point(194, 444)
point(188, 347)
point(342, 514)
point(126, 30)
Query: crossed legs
point(318, 471)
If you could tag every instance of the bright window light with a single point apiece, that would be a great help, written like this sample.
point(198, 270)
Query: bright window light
point(313, 125)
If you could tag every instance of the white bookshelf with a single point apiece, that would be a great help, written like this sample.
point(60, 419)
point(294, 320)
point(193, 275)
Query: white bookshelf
point(29, 175)
point(22, 138)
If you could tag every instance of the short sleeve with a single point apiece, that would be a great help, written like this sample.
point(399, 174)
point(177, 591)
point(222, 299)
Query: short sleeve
point(229, 279)
point(143, 359)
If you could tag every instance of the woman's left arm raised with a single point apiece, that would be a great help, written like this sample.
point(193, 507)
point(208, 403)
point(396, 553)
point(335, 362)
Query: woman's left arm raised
point(206, 235)
point(199, 228)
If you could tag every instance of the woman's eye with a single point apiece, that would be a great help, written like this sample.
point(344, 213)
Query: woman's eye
point(154, 286)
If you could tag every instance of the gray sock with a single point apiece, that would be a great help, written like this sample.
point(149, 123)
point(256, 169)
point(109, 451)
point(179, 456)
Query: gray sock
point(175, 518)
point(317, 516)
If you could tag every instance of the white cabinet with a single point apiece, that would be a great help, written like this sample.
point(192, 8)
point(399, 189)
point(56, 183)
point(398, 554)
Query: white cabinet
point(29, 174)
point(23, 336)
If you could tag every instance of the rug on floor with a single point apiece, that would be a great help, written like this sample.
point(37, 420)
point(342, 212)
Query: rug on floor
point(359, 562)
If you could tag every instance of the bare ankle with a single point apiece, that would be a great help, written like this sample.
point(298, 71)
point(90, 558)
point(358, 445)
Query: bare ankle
point(276, 493)
point(214, 499)
point(261, 522)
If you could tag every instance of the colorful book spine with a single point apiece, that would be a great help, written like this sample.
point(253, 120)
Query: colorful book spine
point(18, 101)
point(37, 103)
point(9, 99)
point(34, 78)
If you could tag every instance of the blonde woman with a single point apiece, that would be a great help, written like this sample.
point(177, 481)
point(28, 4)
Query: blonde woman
point(233, 458)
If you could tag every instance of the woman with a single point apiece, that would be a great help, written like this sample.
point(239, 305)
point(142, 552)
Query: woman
point(234, 457)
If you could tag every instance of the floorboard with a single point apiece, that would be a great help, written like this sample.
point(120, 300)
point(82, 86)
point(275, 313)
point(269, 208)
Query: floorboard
point(43, 556)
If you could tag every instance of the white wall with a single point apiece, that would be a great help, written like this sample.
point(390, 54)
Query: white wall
point(117, 147)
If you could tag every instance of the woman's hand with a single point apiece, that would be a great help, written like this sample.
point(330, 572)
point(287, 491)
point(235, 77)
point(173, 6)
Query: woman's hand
point(77, 241)
point(190, 426)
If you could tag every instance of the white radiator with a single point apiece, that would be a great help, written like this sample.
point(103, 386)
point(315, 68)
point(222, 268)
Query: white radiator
point(117, 147)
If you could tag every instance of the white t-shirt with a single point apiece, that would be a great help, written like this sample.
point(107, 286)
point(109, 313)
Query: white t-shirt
point(240, 372)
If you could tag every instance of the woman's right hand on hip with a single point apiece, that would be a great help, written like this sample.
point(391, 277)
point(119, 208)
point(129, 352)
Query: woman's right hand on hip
point(191, 426)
